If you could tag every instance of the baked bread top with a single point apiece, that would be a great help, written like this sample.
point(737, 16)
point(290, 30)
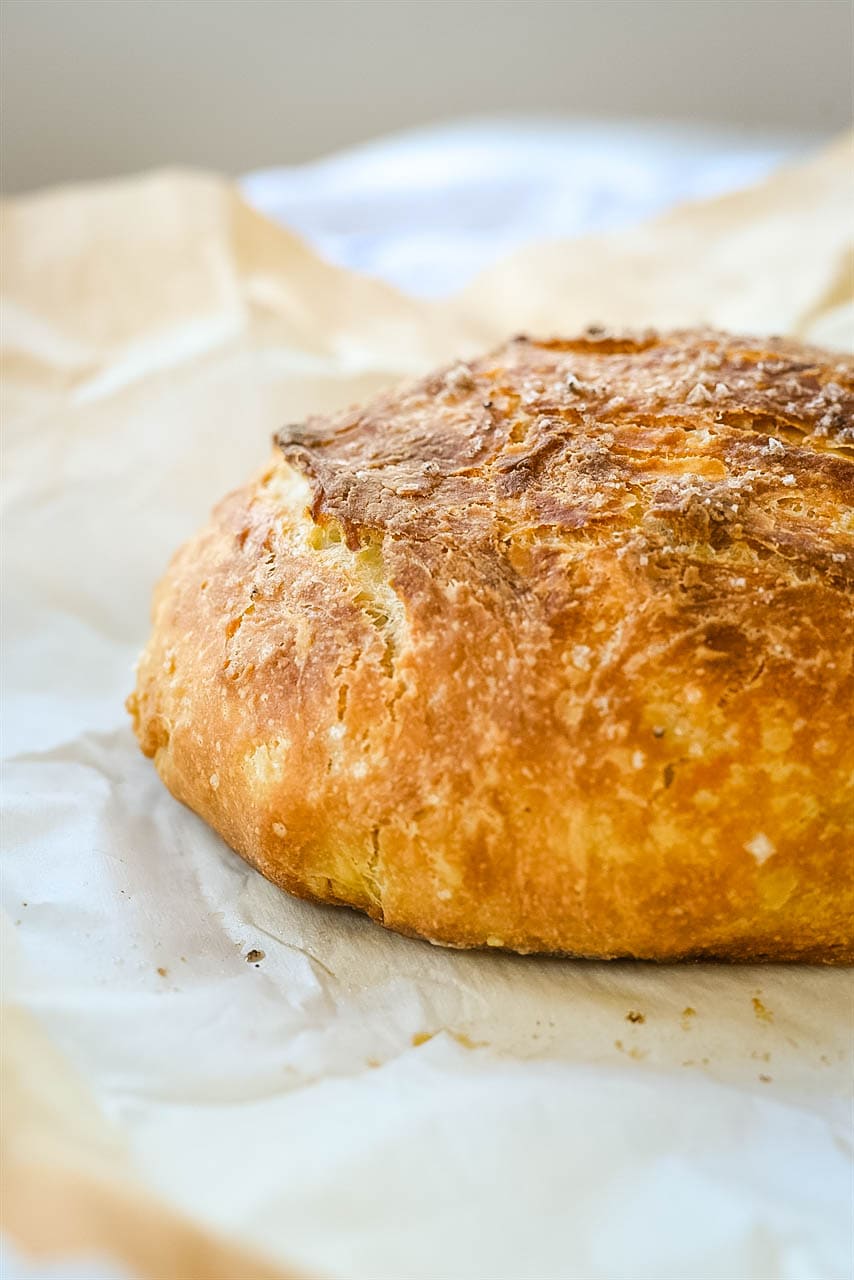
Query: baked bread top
point(551, 650)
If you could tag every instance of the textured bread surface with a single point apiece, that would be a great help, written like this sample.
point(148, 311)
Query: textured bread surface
point(550, 651)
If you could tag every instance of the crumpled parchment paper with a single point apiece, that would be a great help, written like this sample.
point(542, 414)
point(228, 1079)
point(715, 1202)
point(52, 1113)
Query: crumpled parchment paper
point(345, 1102)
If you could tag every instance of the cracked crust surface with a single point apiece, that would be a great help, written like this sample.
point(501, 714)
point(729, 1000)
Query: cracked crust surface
point(550, 651)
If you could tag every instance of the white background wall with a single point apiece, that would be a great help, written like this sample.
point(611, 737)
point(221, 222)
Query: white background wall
point(98, 87)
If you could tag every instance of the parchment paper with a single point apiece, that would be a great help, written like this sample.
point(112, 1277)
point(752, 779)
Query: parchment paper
point(351, 1103)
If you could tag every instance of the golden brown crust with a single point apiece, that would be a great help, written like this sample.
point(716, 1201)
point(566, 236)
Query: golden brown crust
point(551, 651)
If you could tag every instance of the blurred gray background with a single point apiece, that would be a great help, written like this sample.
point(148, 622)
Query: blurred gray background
point(92, 88)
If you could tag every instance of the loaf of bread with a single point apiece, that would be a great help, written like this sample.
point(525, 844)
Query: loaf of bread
point(551, 651)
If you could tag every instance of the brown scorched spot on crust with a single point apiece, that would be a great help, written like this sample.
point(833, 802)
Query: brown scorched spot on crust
point(551, 650)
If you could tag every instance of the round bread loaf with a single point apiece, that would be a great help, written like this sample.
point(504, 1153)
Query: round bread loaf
point(551, 651)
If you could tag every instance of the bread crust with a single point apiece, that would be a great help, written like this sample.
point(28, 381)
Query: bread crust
point(551, 651)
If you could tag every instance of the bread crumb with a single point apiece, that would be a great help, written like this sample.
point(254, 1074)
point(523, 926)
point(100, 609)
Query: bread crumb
point(466, 1041)
point(214, 780)
point(421, 1037)
point(254, 956)
point(775, 446)
point(163, 972)
point(765, 1079)
point(634, 1016)
point(762, 1014)
point(789, 481)
point(689, 1012)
